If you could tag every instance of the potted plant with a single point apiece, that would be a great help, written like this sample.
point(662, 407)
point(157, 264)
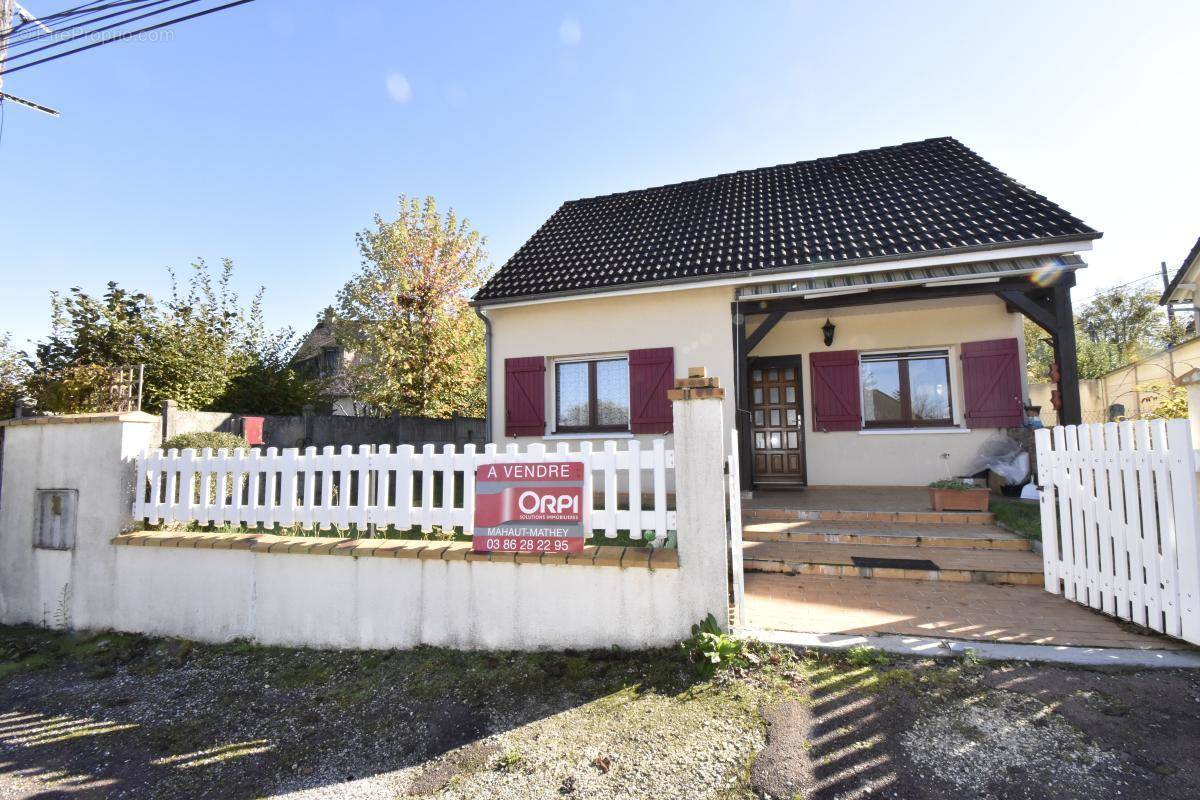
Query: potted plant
point(957, 495)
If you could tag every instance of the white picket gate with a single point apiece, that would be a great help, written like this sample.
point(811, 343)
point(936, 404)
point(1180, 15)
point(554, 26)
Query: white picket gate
point(1119, 521)
point(737, 572)
point(380, 487)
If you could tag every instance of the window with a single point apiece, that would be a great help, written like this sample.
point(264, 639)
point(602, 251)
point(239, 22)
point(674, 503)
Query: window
point(591, 395)
point(909, 389)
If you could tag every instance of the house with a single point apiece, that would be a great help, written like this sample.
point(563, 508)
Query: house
point(865, 309)
point(321, 356)
point(1181, 291)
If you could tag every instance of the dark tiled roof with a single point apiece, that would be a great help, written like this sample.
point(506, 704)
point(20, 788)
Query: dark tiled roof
point(1175, 281)
point(893, 202)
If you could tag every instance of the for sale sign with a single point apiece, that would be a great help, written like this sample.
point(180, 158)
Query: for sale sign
point(529, 508)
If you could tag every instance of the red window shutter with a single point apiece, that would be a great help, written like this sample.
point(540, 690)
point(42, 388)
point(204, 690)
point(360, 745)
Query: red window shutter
point(836, 401)
point(525, 396)
point(992, 384)
point(651, 375)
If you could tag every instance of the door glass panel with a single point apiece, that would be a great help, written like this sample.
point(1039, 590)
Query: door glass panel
point(790, 394)
point(791, 416)
point(756, 375)
point(793, 440)
point(758, 418)
point(776, 441)
point(775, 417)
point(789, 374)
point(612, 392)
point(758, 395)
point(881, 390)
point(929, 382)
point(772, 374)
point(572, 393)
point(773, 394)
point(760, 441)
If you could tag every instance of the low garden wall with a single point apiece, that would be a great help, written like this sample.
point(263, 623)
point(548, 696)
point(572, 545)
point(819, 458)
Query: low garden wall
point(68, 558)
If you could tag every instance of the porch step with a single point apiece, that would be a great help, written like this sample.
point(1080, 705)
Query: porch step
point(960, 565)
point(920, 517)
point(885, 534)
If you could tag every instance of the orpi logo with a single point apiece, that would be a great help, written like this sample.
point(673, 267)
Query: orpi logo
point(531, 502)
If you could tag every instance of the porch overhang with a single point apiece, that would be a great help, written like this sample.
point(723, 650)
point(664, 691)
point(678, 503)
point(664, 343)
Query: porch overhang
point(1038, 287)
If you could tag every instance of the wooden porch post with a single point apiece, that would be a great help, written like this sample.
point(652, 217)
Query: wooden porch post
point(1064, 352)
point(741, 396)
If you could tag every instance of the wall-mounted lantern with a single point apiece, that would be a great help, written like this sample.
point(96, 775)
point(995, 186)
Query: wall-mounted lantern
point(827, 329)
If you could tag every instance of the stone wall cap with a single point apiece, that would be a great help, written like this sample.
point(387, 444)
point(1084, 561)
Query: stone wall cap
point(79, 419)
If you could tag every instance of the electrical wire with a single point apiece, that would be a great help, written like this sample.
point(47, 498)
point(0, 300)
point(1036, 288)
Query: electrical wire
point(93, 31)
point(23, 28)
point(37, 33)
point(129, 34)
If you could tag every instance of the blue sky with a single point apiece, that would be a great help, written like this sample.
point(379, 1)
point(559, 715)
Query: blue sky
point(271, 133)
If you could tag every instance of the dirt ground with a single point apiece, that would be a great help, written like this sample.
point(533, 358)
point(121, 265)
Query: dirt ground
point(116, 716)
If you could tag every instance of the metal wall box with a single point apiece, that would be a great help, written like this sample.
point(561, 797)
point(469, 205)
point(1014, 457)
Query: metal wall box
point(54, 522)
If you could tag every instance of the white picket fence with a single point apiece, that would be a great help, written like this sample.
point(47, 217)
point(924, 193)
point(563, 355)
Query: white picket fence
point(1119, 521)
point(403, 488)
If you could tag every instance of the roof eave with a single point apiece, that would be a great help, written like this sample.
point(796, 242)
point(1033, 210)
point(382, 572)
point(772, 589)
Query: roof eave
point(600, 290)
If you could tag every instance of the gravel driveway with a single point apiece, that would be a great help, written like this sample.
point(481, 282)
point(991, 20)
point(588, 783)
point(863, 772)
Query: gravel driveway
point(115, 716)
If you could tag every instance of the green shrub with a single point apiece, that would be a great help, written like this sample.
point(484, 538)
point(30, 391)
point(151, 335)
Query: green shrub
point(955, 484)
point(864, 656)
point(202, 439)
point(710, 648)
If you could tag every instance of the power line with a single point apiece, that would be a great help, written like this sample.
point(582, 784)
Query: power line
point(89, 31)
point(1098, 292)
point(5, 70)
point(35, 33)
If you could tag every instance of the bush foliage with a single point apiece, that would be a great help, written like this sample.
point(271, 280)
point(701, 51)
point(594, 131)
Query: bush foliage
point(203, 348)
point(202, 439)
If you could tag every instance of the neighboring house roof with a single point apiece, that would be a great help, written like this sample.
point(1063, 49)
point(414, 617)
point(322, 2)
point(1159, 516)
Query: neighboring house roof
point(903, 201)
point(319, 338)
point(1186, 273)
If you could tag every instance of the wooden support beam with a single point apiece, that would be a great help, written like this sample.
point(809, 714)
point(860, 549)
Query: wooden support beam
point(741, 397)
point(762, 330)
point(1040, 311)
point(1071, 412)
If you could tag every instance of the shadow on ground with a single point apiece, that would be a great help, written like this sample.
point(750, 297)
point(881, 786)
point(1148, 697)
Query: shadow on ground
point(124, 716)
point(111, 716)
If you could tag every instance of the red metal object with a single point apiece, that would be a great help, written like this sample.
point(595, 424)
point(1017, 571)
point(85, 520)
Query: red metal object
point(836, 401)
point(252, 430)
point(651, 376)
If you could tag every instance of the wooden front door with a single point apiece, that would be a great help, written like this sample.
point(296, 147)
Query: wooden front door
point(777, 422)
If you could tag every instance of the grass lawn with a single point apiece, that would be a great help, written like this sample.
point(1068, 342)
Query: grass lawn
point(1022, 517)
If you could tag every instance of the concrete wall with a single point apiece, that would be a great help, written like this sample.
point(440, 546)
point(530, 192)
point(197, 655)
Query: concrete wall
point(697, 324)
point(334, 600)
point(1125, 386)
point(42, 586)
point(321, 430)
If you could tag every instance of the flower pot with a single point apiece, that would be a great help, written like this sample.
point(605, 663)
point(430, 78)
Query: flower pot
point(959, 499)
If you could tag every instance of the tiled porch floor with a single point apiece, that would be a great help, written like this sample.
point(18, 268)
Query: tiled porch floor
point(843, 498)
point(999, 613)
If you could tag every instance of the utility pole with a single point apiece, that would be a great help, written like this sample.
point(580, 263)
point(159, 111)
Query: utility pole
point(1167, 282)
point(10, 12)
point(7, 9)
